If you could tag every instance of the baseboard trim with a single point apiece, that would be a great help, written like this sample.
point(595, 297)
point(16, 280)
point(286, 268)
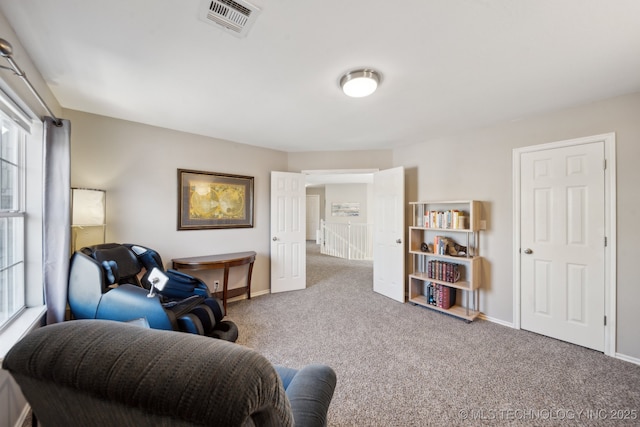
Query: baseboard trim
point(259, 293)
point(26, 412)
point(244, 296)
point(494, 320)
point(629, 359)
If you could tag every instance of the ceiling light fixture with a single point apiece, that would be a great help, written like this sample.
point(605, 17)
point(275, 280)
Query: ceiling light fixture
point(360, 83)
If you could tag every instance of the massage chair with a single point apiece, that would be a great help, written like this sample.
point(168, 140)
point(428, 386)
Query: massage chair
point(112, 281)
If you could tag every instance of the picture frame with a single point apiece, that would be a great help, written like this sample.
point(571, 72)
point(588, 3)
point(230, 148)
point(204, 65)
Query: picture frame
point(212, 200)
point(345, 209)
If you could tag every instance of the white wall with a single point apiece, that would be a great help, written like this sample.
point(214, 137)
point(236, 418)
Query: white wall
point(479, 167)
point(137, 166)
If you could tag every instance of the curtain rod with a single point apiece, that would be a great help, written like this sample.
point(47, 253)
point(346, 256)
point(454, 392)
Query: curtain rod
point(6, 50)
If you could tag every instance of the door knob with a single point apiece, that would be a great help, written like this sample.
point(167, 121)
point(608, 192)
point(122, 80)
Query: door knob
point(399, 241)
point(528, 251)
point(275, 239)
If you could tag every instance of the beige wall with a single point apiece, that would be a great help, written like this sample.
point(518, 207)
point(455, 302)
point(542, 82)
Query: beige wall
point(137, 165)
point(353, 193)
point(320, 160)
point(479, 166)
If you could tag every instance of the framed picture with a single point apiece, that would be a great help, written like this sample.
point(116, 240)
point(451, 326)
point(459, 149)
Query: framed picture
point(214, 200)
point(345, 209)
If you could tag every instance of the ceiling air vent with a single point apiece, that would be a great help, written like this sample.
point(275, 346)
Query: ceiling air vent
point(235, 16)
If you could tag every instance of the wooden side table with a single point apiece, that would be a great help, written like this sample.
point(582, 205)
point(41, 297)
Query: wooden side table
point(221, 261)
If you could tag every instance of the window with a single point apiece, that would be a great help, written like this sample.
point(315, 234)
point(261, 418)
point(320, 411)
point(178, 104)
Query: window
point(21, 220)
point(12, 219)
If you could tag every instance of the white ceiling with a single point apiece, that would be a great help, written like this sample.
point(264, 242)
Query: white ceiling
point(446, 65)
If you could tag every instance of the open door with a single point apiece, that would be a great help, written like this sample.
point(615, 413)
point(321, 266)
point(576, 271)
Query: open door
point(288, 223)
point(388, 246)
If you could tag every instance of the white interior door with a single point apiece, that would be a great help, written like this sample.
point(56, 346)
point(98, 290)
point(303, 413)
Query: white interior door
point(313, 216)
point(388, 246)
point(288, 220)
point(562, 254)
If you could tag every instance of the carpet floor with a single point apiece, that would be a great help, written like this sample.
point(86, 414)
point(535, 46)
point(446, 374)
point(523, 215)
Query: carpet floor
point(405, 365)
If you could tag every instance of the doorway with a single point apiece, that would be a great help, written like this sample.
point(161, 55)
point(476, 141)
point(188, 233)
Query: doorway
point(313, 216)
point(345, 213)
point(288, 237)
point(564, 220)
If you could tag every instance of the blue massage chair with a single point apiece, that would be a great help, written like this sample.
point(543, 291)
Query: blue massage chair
point(112, 281)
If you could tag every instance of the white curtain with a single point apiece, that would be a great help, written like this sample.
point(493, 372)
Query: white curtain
point(57, 184)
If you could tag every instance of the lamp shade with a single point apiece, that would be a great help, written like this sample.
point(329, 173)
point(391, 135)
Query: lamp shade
point(360, 83)
point(87, 207)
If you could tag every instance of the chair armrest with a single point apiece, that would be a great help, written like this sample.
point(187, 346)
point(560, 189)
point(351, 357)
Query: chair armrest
point(127, 302)
point(309, 391)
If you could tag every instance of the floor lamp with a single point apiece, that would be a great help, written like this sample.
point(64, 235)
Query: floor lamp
point(88, 217)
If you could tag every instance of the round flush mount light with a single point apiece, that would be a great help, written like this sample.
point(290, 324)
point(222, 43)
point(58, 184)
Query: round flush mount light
point(360, 83)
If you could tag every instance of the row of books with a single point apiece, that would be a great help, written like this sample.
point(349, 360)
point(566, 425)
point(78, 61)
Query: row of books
point(451, 219)
point(440, 295)
point(444, 271)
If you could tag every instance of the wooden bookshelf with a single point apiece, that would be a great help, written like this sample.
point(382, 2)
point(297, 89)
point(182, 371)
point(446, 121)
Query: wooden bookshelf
point(441, 219)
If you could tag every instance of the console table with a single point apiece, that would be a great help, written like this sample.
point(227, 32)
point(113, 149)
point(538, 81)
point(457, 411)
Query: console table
point(220, 261)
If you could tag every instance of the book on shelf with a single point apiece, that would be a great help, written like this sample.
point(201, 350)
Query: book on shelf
point(440, 295)
point(444, 271)
point(439, 245)
point(441, 219)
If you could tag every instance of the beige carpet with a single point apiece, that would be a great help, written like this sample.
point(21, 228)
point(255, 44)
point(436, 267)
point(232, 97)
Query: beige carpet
point(404, 365)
